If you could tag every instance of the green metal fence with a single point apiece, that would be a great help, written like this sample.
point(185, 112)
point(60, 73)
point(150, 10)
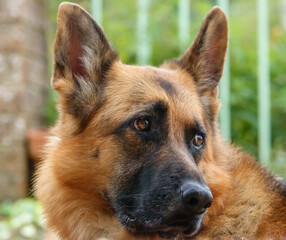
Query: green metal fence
point(184, 21)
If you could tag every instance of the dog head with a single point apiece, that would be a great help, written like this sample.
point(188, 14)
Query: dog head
point(136, 142)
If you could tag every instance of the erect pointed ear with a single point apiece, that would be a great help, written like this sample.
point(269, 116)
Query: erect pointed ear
point(204, 59)
point(82, 57)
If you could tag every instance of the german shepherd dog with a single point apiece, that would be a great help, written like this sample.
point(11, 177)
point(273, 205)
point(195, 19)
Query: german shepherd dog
point(137, 153)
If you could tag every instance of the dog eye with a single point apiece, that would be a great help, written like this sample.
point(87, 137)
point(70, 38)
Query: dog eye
point(143, 124)
point(198, 141)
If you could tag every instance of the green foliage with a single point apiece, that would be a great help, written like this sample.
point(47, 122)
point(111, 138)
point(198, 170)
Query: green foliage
point(21, 220)
point(243, 57)
point(119, 22)
point(50, 112)
point(243, 60)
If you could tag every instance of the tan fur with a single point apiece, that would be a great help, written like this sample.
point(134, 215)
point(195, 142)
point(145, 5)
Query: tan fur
point(79, 165)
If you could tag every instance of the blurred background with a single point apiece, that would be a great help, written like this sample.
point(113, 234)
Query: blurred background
point(253, 88)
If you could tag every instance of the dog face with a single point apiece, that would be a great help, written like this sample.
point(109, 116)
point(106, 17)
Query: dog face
point(136, 142)
point(157, 186)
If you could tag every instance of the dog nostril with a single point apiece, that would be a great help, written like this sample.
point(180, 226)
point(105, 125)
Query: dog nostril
point(193, 201)
point(208, 205)
point(205, 208)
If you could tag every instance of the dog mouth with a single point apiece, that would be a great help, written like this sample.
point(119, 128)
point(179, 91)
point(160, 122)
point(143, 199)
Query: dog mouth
point(173, 234)
point(168, 230)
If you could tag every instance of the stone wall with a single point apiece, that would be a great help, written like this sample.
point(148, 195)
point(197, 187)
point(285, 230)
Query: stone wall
point(23, 86)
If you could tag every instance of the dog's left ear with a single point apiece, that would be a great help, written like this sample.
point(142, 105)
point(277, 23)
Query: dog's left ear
point(204, 59)
point(83, 56)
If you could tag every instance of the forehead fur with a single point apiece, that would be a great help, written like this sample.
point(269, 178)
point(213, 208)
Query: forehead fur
point(129, 88)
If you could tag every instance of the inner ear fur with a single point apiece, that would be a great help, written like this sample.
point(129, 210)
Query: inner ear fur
point(204, 59)
point(82, 57)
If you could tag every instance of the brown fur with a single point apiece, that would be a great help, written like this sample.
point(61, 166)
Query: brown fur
point(98, 93)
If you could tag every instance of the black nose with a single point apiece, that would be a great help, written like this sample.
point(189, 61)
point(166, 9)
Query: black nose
point(196, 197)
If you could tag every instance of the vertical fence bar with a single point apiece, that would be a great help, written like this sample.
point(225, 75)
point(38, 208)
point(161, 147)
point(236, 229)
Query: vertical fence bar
point(283, 13)
point(184, 13)
point(224, 87)
point(143, 47)
point(264, 121)
point(96, 10)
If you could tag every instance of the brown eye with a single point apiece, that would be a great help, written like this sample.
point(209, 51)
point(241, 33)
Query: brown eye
point(198, 141)
point(143, 124)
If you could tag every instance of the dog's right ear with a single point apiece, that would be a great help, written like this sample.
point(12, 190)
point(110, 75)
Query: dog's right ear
point(82, 57)
point(204, 59)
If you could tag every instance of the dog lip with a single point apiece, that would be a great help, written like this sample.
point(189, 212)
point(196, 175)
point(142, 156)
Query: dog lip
point(169, 230)
point(131, 218)
point(129, 221)
point(168, 234)
point(181, 224)
point(190, 232)
point(164, 231)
